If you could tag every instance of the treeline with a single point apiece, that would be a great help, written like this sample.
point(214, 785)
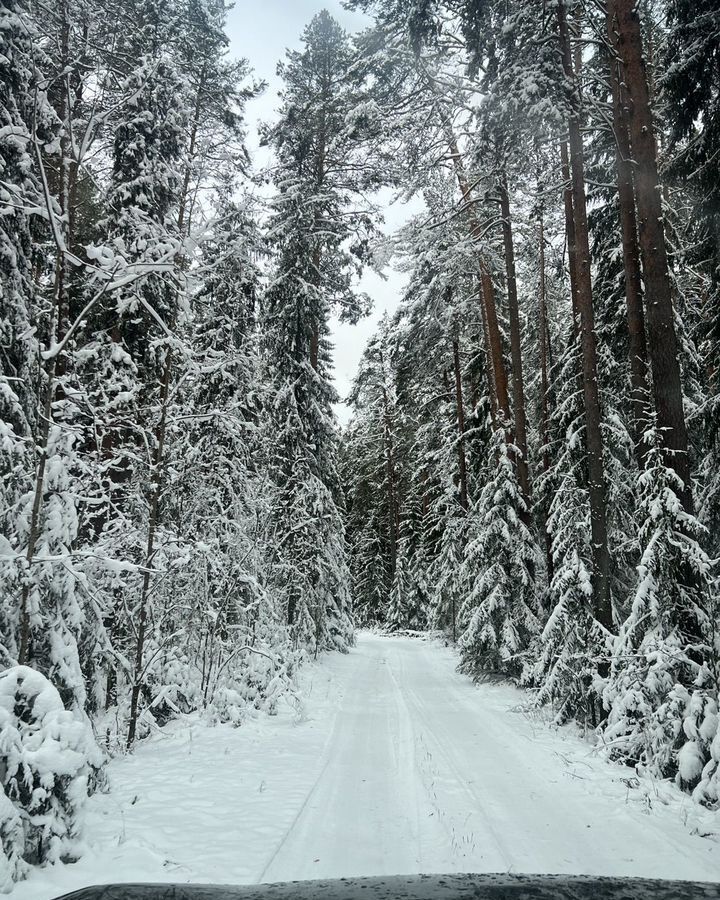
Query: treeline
point(532, 459)
point(171, 534)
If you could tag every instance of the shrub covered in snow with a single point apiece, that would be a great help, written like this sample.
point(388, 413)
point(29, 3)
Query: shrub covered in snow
point(12, 845)
point(49, 763)
point(233, 701)
point(253, 679)
point(699, 758)
point(660, 695)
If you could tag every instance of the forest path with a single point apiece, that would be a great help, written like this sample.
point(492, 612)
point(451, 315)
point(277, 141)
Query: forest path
point(426, 772)
point(396, 764)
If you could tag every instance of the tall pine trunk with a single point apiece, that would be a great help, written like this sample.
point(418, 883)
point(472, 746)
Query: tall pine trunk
point(597, 490)
point(497, 360)
point(460, 415)
point(544, 375)
point(663, 348)
point(518, 387)
point(570, 231)
point(487, 291)
point(631, 255)
point(487, 361)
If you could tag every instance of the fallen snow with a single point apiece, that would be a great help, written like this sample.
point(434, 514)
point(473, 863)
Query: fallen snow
point(396, 765)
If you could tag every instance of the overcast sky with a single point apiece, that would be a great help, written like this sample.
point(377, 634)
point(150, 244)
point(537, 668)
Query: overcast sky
point(261, 31)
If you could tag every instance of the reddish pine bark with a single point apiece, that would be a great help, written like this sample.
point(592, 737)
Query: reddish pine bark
point(631, 255)
point(593, 432)
point(462, 464)
point(663, 349)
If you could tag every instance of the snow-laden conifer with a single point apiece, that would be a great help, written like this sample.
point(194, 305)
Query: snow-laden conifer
point(660, 686)
point(499, 616)
point(50, 764)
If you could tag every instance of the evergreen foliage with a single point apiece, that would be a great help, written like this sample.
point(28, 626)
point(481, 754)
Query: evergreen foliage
point(499, 617)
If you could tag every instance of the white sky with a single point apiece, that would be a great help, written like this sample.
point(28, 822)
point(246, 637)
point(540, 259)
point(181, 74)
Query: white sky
point(261, 31)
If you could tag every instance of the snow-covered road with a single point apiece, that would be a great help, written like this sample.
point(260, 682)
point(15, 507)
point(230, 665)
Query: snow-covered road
point(424, 772)
point(397, 765)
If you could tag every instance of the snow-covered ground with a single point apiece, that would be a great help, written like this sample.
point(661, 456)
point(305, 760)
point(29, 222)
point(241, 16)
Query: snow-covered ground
point(396, 765)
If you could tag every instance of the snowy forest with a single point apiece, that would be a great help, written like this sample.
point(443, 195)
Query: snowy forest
point(531, 464)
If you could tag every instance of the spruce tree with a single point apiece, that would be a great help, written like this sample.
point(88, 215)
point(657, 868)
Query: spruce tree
point(18, 346)
point(658, 658)
point(19, 185)
point(500, 614)
point(319, 245)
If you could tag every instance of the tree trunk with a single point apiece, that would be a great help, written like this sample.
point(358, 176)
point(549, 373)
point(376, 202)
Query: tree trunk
point(314, 346)
point(491, 327)
point(153, 522)
point(393, 505)
point(496, 355)
point(487, 363)
point(66, 167)
point(631, 257)
point(317, 253)
point(192, 144)
point(34, 532)
point(57, 328)
point(315, 324)
point(544, 371)
point(624, 25)
point(518, 388)
point(488, 293)
point(292, 607)
point(544, 378)
point(462, 464)
point(570, 231)
point(594, 438)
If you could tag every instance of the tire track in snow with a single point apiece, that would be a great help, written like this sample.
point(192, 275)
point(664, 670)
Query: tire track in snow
point(327, 758)
point(459, 777)
point(350, 806)
point(405, 767)
point(504, 819)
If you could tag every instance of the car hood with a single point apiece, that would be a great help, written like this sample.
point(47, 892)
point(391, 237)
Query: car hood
point(418, 887)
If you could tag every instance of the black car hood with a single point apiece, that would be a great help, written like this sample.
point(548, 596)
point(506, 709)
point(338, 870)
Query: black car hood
point(418, 887)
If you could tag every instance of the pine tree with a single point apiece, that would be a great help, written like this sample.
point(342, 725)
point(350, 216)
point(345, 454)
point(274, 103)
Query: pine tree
point(398, 614)
point(51, 760)
point(691, 53)
point(572, 643)
point(132, 356)
point(215, 89)
point(449, 578)
point(372, 478)
point(662, 337)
